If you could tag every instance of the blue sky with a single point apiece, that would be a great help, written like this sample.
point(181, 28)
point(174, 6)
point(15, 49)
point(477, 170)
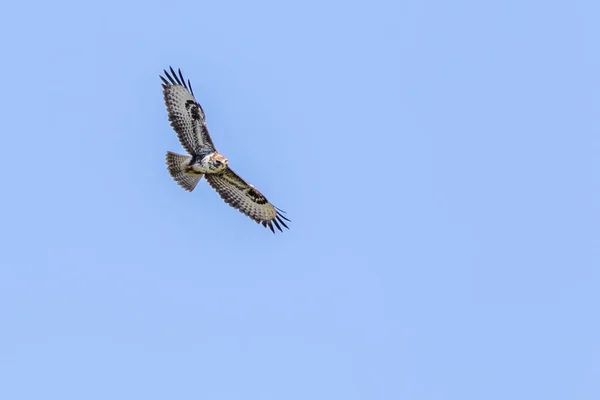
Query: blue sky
point(439, 161)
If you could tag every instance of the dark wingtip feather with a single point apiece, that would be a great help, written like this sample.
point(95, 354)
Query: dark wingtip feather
point(170, 78)
point(280, 213)
point(175, 76)
point(270, 225)
point(182, 80)
point(284, 217)
point(281, 221)
point(277, 225)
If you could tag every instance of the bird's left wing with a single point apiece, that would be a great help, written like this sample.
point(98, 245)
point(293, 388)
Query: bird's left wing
point(247, 199)
point(186, 115)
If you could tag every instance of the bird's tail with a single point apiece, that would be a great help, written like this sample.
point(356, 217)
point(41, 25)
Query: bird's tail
point(176, 163)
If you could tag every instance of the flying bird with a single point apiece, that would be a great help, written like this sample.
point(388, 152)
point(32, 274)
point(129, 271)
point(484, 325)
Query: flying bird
point(189, 122)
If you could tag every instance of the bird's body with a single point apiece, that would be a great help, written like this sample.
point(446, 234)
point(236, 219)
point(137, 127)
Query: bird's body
point(213, 163)
point(189, 122)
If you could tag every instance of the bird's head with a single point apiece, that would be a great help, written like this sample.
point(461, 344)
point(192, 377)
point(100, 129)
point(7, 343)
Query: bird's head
point(218, 161)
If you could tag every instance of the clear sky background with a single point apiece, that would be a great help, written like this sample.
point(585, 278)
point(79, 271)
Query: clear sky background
point(438, 159)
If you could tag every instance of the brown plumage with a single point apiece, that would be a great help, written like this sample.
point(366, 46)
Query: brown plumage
point(189, 122)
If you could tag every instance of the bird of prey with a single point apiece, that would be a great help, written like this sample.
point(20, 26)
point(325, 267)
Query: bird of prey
point(187, 119)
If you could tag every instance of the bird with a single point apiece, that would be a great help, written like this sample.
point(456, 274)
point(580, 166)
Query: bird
point(187, 118)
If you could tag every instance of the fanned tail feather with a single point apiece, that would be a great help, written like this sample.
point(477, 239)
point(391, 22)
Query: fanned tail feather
point(176, 163)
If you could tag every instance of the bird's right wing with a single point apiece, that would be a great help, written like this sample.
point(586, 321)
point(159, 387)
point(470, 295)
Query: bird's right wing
point(247, 199)
point(186, 115)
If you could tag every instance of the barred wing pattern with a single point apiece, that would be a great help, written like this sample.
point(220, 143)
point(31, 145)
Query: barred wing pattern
point(175, 164)
point(186, 115)
point(244, 197)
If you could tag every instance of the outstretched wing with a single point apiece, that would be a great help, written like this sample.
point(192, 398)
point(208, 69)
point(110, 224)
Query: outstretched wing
point(241, 195)
point(186, 115)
